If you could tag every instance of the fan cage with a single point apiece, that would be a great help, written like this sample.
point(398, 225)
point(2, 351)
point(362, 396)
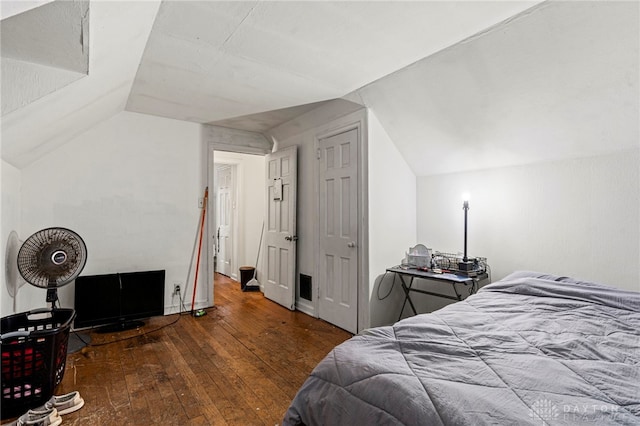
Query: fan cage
point(52, 257)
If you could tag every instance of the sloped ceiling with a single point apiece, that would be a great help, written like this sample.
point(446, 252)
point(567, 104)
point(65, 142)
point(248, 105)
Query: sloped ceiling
point(239, 63)
point(60, 41)
point(210, 61)
point(263, 121)
point(12, 8)
point(454, 85)
point(36, 63)
point(558, 81)
point(119, 32)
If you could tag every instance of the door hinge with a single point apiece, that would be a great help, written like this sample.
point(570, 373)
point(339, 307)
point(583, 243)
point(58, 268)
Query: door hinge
point(318, 153)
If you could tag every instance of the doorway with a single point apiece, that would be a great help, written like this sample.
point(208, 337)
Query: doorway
point(238, 204)
point(226, 217)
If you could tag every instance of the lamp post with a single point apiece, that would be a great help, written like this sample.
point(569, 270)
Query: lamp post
point(465, 265)
point(465, 207)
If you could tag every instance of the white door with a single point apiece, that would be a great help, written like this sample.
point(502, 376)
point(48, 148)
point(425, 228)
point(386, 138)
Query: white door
point(280, 227)
point(224, 211)
point(338, 263)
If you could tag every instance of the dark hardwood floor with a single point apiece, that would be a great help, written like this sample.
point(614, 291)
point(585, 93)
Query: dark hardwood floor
point(241, 364)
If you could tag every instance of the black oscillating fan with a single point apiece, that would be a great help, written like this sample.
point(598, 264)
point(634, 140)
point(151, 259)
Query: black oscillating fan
point(51, 258)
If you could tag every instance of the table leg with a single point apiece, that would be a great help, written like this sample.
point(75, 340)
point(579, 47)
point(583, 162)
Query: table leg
point(474, 287)
point(406, 296)
point(457, 292)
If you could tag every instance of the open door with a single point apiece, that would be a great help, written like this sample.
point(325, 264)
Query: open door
point(280, 227)
point(225, 211)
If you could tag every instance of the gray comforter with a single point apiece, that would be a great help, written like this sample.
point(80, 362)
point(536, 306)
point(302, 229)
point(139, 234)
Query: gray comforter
point(529, 349)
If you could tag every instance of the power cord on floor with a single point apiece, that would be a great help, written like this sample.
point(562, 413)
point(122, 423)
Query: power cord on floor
point(136, 335)
point(180, 313)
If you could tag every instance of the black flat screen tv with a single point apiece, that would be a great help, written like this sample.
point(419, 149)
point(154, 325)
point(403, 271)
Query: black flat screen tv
point(118, 300)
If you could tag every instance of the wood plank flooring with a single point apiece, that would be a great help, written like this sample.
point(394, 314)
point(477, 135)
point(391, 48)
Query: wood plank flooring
point(241, 364)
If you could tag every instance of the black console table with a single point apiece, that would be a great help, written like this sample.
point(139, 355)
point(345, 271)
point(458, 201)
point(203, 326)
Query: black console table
point(455, 280)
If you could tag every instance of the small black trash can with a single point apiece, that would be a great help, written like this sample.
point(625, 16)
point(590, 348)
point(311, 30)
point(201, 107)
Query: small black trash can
point(246, 274)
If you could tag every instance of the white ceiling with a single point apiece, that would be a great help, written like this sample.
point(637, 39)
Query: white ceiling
point(119, 32)
point(36, 63)
point(454, 85)
point(559, 81)
point(12, 8)
point(212, 60)
point(263, 121)
point(54, 45)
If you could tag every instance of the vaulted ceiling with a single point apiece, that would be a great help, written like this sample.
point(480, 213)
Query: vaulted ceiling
point(208, 61)
point(492, 81)
point(118, 34)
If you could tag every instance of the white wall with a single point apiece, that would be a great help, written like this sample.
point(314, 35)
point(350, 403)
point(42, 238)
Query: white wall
point(250, 204)
point(10, 208)
point(130, 187)
point(392, 221)
point(576, 217)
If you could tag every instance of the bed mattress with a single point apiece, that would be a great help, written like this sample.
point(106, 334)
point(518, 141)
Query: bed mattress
point(530, 349)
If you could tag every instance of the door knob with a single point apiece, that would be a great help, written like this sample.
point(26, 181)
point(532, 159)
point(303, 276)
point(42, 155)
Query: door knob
point(291, 238)
point(351, 244)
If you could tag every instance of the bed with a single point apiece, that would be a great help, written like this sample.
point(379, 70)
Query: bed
point(529, 349)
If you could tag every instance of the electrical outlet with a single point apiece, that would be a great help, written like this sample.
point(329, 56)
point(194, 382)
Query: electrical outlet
point(176, 289)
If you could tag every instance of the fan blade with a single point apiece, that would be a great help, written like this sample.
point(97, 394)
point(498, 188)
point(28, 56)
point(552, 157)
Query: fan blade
point(12, 277)
point(52, 257)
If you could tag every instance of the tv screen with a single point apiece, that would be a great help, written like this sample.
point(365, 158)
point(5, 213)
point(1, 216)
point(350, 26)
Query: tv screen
point(118, 298)
point(142, 294)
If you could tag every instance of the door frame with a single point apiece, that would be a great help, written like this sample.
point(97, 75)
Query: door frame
point(211, 224)
point(358, 121)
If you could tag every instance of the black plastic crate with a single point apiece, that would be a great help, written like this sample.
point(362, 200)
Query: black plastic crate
point(34, 355)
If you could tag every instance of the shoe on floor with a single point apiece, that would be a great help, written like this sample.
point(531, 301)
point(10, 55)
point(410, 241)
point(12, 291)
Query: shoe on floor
point(65, 404)
point(47, 417)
